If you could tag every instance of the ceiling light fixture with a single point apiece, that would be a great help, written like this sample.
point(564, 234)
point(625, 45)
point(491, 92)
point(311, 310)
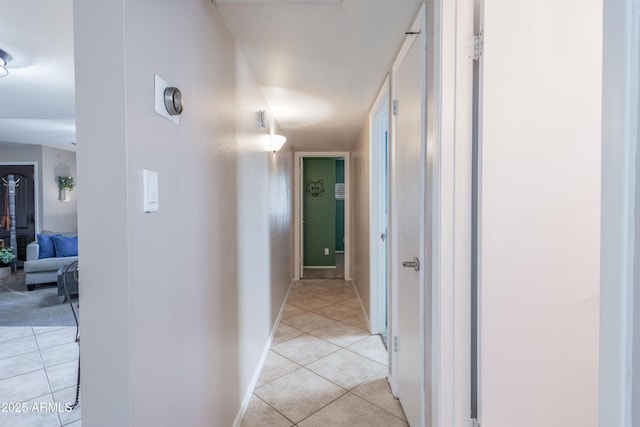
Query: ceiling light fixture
point(4, 58)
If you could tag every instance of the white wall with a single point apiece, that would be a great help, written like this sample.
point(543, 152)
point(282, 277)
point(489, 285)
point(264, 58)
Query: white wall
point(176, 318)
point(58, 216)
point(540, 213)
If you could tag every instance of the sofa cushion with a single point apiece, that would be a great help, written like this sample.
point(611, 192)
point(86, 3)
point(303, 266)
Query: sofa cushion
point(47, 250)
point(48, 264)
point(61, 233)
point(65, 246)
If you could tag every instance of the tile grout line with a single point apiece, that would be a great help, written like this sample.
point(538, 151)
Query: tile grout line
point(324, 406)
point(46, 374)
point(340, 347)
point(347, 390)
point(269, 405)
point(19, 354)
point(379, 407)
point(382, 409)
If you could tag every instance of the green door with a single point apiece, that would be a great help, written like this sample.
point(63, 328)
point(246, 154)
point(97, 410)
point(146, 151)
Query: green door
point(319, 212)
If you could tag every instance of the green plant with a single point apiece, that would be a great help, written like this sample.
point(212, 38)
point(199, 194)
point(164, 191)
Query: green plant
point(66, 182)
point(6, 255)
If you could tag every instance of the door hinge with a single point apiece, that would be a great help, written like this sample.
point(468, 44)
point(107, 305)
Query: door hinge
point(474, 422)
point(476, 46)
point(395, 344)
point(394, 107)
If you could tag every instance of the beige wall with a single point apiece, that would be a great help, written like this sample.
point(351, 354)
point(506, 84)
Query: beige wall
point(178, 304)
point(360, 189)
point(58, 216)
point(51, 162)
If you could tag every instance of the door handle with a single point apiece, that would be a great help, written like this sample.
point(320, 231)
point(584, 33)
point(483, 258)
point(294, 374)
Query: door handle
point(415, 264)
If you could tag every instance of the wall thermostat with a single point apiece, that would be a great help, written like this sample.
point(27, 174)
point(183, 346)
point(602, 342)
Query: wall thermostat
point(173, 101)
point(167, 99)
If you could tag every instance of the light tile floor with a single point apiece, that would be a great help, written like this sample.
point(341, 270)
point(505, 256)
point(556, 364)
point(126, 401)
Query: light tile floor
point(38, 373)
point(324, 369)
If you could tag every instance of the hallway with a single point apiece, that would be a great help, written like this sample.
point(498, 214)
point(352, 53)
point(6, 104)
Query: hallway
point(323, 368)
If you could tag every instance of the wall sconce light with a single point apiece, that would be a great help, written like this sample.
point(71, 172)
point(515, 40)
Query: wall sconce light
point(65, 185)
point(275, 142)
point(4, 58)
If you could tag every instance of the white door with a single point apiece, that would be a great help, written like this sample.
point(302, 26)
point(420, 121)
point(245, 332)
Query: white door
point(379, 208)
point(407, 202)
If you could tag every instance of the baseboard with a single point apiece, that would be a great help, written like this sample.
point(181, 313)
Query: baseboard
point(364, 312)
point(263, 358)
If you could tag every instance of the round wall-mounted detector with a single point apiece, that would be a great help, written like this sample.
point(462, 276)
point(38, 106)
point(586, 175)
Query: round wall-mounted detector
point(4, 58)
point(173, 101)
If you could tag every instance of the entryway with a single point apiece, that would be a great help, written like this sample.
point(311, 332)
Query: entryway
point(25, 207)
point(322, 216)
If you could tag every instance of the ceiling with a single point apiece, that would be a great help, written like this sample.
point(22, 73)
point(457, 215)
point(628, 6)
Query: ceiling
point(38, 94)
point(320, 64)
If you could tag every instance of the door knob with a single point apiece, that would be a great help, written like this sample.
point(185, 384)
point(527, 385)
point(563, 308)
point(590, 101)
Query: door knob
point(415, 264)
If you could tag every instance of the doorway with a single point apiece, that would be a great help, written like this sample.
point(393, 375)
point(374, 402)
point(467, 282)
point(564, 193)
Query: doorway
point(25, 207)
point(321, 200)
point(323, 218)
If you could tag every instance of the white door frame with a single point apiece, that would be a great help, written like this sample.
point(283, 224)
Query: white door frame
point(378, 248)
point(620, 210)
point(36, 189)
point(298, 246)
point(449, 125)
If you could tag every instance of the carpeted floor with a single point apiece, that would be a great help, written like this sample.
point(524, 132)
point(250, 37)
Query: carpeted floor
point(40, 307)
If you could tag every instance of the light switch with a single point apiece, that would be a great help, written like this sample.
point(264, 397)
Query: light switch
point(150, 184)
point(326, 251)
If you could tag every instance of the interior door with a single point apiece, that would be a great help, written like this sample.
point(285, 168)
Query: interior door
point(319, 212)
point(379, 208)
point(407, 202)
point(25, 207)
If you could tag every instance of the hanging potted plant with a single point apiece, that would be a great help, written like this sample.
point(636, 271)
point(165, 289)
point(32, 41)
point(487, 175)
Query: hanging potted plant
point(6, 258)
point(66, 184)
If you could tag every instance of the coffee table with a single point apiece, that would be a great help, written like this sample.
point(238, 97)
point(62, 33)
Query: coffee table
point(72, 282)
